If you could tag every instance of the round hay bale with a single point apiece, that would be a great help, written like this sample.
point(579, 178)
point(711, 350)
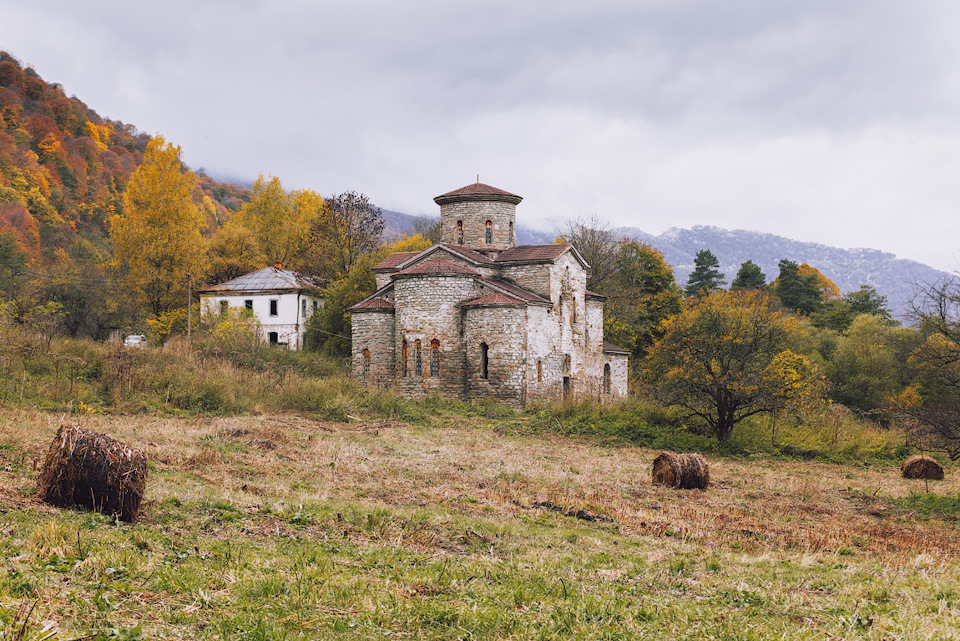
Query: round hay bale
point(93, 471)
point(681, 471)
point(920, 466)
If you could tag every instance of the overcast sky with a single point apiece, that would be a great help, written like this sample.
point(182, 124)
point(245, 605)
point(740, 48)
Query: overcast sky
point(822, 120)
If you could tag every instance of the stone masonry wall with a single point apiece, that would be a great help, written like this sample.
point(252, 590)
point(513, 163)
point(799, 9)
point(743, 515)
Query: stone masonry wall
point(474, 215)
point(503, 329)
point(426, 310)
point(373, 330)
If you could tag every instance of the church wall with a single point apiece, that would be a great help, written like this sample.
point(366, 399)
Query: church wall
point(535, 277)
point(544, 360)
point(474, 215)
point(373, 330)
point(426, 310)
point(569, 280)
point(503, 329)
point(619, 373)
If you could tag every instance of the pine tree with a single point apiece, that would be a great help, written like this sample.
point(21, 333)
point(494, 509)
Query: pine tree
point(749, 276)
point(706, 276)
point(797, 291)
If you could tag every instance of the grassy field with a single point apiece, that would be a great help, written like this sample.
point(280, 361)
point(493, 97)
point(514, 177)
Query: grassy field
point(461, 526)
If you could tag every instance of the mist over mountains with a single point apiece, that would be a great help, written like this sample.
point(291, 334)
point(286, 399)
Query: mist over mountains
point(895, 278)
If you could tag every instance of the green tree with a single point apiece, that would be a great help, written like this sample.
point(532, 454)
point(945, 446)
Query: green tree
point(798, 291)
point(749, 276)
point(706, 276)
point(641, 293)
point(866, 368)
point(838, 314)
point(157, 240)
point(725, 358)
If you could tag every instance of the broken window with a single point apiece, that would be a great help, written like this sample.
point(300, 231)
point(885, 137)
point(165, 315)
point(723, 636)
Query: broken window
point(248, 304)
point(224, 306)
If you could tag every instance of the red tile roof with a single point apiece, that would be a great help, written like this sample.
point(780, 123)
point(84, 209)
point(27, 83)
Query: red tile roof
point(394, 259)
point(440, 266)
point(469, 253)
point(372, 303)
point(496, 298)
point(532, 252)
point(477, 191)
point(594, 295)
point(514, 290)
point(610, 348)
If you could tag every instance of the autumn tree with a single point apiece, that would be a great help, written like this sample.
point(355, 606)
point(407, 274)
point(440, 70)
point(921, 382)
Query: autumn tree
point(725, 358)
point(349, 227)
point(749, 276)
point(157, 240)
point(234, 251)
point(706, 276)
point(598, 245)
point(279, 221)
point(329, 329)
point(934, 413)
point(641, 293)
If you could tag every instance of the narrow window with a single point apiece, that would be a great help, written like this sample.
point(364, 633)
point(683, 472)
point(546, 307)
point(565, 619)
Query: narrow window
point(366, 364)
point(539, 371)
point(573, 311)
point(483, 361)
point(273, 337)
point(459, 232)
point(513, 239)
point(606, 378)
point(303, 308)
point(273, 306)
point(314, 307)
point(435, 357)
point(248, 304)
point(489, 231)
point(403, 359)
point(417, 359)
point(224, 306)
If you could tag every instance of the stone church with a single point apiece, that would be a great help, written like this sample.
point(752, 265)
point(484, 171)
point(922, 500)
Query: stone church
point(478, 316)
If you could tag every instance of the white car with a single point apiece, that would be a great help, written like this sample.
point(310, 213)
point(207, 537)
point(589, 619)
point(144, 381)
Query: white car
point(135, 340)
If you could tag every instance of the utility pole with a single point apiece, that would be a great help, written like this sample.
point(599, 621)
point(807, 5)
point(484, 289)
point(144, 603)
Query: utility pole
point(189, 306)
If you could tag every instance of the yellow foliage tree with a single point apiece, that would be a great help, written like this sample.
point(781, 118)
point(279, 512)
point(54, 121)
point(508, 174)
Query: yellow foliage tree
point(725, 358)
point(157, 239)
point(279, 221)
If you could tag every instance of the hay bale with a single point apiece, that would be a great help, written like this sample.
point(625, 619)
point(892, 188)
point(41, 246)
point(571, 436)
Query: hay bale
point(920, 466)
point(93, 471)
point(681, 471)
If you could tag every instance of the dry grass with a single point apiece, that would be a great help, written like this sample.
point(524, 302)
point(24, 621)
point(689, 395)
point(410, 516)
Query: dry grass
point(474, 479)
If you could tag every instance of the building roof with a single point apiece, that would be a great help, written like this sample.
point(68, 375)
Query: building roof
point(438, 267)
point(373, 304)
point(532, 252)
point(471, 254)
point(590, 294)
point(610, 348)
point(477, 191)
point(264, 280)
point(395, 259)
point(495, 299)
point(514, 290)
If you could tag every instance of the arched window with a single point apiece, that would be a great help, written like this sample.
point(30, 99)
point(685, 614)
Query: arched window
point(483, 361)
point(539, 371)
point(435, 357)
point(459, 232)
point(489, 231)
point(417, 359)
point(606, 378)
point(366, 364)
point(403, 359)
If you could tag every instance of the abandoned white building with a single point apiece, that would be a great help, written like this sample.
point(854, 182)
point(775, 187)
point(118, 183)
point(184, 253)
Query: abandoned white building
point(280, 300)
point(478, 316)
